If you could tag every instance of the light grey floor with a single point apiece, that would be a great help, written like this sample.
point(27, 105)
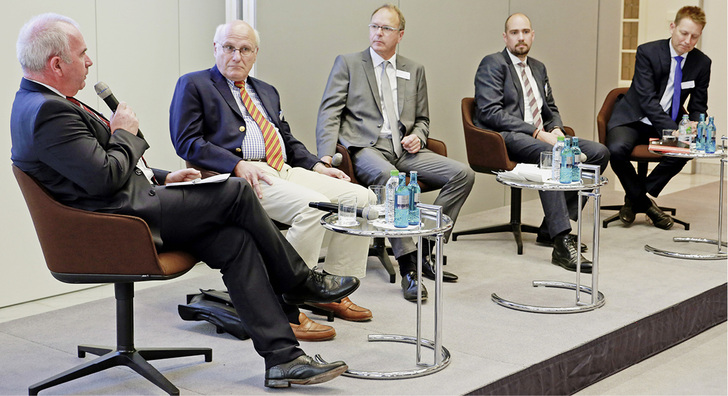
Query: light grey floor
point(487, 342)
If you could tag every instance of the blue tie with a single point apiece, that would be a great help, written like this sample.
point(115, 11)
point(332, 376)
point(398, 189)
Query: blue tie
point(677, 82)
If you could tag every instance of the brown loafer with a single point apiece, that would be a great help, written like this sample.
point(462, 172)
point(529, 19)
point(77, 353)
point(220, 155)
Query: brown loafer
point(308, 330)
point(346, 310)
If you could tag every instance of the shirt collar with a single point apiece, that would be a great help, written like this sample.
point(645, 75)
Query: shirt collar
point(377, 60)
point(47, 86)
point(673, 53)
point(516, 60)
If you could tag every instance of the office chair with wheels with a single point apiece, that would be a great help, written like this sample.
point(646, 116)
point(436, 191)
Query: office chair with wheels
point(640, 154)
point(487, 153)
point(89, 247)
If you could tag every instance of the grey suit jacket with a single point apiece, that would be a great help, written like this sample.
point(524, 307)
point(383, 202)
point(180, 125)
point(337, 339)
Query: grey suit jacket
point(351, 111)
point(499, 97)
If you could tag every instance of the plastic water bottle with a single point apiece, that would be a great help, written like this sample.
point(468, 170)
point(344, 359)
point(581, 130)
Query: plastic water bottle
point(556, 158)
point(710, 136)
point(576, 171)
point(700, 137)
point(684, 125)
point(390, 188)
point(401, 203)
point(414, 188)
point(567, 163)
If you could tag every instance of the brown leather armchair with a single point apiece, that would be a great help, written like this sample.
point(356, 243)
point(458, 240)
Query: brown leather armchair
point(487, 154)
point(378, 247)
point(640, 153)
point(89, 247)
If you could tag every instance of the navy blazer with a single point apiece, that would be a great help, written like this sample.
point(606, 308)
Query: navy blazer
point(207, 127)
point(499, 96)
point(651, 72)
point(77, 159)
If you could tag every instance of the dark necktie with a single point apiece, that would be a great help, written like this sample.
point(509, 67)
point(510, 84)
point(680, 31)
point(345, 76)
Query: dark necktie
point(677, 82)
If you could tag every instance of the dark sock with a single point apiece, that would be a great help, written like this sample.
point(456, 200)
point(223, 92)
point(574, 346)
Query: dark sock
point(407, 263)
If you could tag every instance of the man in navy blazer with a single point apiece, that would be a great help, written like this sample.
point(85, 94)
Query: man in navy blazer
point(212, 128)
point(91, 163)
point(646, 109)
point(500, 105)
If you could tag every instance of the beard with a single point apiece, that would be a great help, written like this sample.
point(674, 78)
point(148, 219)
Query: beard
point(521, 49)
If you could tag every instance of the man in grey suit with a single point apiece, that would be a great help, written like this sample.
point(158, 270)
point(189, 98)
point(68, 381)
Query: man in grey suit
point(530, 123)
point(375, 104)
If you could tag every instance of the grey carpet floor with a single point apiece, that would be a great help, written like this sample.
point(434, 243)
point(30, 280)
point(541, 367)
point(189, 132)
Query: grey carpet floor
point(487, 342)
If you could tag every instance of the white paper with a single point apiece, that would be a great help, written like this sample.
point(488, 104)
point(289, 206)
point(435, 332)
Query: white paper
point(212, 179)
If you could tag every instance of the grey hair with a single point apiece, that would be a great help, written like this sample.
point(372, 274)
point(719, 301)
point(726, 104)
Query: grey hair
point(221, 29)
point(41, 38)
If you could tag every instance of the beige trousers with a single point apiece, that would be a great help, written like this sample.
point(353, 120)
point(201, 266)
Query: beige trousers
point(286, 201)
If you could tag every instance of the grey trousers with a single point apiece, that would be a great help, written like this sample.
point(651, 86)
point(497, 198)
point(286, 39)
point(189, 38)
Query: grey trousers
point(372, 165)
point(558, 207)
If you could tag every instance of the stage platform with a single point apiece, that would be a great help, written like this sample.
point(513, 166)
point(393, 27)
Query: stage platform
point(652, 302)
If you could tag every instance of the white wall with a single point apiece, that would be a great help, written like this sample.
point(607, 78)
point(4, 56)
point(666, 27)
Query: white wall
point(139, 48)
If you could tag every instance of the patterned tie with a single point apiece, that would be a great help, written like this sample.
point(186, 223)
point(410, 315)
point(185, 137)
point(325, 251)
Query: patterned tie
point(273, 153)
point(390, 109)
point(532, 105)
point(83, 106)
point(677, 84)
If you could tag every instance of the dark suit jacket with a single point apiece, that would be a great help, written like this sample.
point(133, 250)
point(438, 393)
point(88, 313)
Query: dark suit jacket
point(651, 72)
point(499, 97)
point(206, 124)
point(74, 155)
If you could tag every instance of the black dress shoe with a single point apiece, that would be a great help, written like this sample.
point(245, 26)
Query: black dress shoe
point(545, 240)
point(659, 218)
point(302, 370)
point(320, 288)
point(428, 271)
point(409, 287)
point(565, 255)
point(626, 213)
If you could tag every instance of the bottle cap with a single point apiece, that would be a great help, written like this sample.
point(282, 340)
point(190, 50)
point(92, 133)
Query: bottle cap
point(393, 173)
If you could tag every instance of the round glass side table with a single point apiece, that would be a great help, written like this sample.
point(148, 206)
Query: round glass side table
point(589, 187)
point(433, 223)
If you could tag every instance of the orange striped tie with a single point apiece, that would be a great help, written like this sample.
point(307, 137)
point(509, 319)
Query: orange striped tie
point(273, 153)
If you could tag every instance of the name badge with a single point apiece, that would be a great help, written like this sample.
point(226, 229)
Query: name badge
point(403, 74)
point(687, 84)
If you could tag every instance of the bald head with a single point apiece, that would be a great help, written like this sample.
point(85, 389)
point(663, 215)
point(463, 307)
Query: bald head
point(235, 49)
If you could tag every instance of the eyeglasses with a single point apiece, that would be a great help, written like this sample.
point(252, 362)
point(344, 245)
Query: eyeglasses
point(229, 49)
point(385, 29)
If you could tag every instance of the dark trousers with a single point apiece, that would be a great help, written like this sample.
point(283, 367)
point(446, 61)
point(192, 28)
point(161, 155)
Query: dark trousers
point(558, 207)
point(224, 225)
point(621, 140)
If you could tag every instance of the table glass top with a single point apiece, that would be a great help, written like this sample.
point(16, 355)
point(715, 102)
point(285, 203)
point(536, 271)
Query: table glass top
point(377, 228)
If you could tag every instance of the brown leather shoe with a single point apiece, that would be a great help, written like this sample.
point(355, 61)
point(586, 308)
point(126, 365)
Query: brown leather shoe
point(346, 310)
point(309, 330)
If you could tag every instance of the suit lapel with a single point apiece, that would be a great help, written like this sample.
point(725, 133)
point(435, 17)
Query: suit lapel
point(222, 86)
point(402, 84)
point(265, 99)
point(368, 66)
point(664, 59)
point(515, 79)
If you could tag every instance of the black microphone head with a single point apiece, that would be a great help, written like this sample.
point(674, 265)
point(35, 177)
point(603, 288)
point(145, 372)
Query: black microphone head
point(336, 160)
point(102, 89)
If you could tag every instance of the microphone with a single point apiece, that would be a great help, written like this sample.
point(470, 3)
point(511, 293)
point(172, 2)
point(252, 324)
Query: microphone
point(336, 160)
point(365, 213)
point(102, 89)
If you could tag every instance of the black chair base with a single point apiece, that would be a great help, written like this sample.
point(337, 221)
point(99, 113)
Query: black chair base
point(379, 250)
point(515, 226)
point(125, 354)
point(136, 360)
